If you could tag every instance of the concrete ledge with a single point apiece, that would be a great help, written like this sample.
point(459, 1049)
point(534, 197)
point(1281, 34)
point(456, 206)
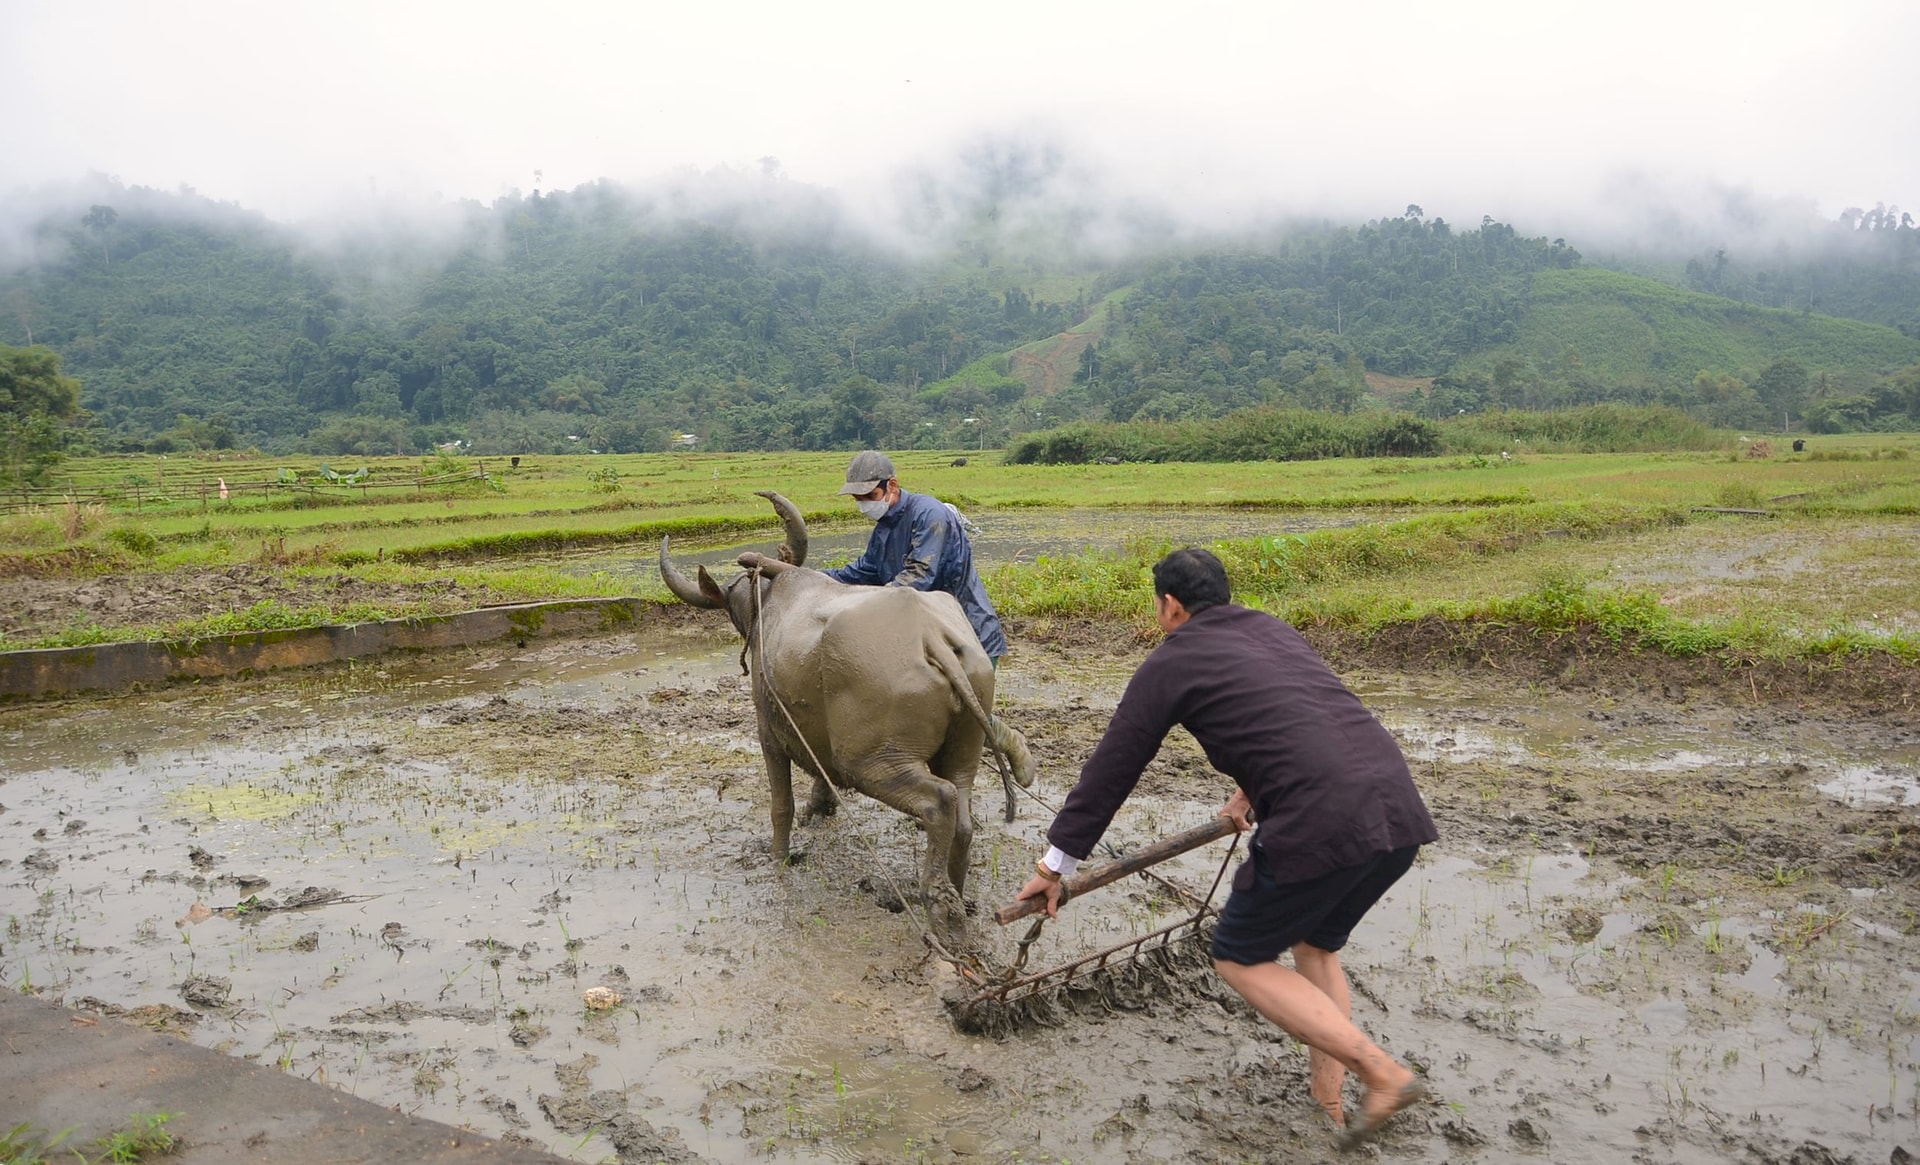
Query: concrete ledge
point(62, 1069)
point(109, 667)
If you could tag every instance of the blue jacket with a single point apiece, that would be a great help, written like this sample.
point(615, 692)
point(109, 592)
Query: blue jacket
point(921, 544)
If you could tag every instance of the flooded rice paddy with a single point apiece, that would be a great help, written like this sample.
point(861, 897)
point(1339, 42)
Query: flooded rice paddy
point(1005, 536)
point(1652, 931)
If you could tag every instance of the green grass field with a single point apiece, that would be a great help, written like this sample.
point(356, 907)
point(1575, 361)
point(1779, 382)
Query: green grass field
point(1473, 537)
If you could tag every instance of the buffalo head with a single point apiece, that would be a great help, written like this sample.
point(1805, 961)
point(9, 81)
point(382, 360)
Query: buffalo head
point(735, 598)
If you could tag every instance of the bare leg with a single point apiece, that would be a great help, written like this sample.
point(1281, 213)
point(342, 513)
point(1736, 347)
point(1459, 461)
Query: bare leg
point(1323, 970)
point(1307, 1013)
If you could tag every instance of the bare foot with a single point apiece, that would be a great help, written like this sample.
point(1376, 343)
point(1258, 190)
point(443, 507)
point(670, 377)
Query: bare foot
point(1378, 1107)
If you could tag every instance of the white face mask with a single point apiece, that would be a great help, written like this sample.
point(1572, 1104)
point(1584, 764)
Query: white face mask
point(873, 510)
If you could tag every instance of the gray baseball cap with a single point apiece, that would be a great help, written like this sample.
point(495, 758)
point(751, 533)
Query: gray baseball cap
point(868, 471)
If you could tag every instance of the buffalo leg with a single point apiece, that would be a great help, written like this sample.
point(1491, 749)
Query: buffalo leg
point(823, 803)
point(780, 788)
point(962, 837)
point(913, 789)
point(956, 765)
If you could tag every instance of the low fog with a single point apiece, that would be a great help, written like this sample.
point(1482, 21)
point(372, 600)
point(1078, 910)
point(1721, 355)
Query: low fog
point(1638, 126)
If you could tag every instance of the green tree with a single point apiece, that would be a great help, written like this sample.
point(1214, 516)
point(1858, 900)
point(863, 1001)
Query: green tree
point(1783, 386)
point(575, 393)
point(100, 220)
point(627, 435)
point(36, 402)
point(1901, 393)
point(377, 395)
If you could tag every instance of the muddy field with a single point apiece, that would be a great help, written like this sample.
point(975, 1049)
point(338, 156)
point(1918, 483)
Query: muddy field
point(1664, 923)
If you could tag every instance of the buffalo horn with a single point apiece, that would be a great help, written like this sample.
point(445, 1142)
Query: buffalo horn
point(676, 582)
point(795, 551)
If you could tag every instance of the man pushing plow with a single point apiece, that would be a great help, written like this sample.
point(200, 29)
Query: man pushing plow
point(1336, 815)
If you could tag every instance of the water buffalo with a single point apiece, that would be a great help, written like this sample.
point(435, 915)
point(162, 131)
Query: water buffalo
point(880, 689)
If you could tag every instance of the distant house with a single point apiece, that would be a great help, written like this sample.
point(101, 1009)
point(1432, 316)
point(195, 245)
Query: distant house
point(685, 441)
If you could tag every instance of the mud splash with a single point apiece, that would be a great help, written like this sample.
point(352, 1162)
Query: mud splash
point(1652, 930)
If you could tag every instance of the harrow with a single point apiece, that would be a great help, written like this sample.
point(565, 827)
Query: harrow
point(1121, 975)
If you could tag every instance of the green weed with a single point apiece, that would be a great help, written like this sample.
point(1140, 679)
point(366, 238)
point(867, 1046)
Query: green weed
point(146, 1137)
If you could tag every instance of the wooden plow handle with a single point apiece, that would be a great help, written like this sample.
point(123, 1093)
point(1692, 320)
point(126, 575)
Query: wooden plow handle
point(1094, 877)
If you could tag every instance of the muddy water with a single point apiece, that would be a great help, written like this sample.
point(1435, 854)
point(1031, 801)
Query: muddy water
point(1650, 932)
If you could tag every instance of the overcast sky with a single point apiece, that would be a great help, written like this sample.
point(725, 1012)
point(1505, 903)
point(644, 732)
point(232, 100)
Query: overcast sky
point(1540, 108)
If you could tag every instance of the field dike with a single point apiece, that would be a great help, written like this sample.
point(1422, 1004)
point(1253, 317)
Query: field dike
point(112, 667)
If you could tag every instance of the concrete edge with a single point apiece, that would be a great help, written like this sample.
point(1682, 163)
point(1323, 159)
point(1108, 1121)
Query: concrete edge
point(110, 667)
point(62, 1069)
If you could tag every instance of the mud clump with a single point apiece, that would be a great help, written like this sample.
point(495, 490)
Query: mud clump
point(154, 1017)
point(206, 991)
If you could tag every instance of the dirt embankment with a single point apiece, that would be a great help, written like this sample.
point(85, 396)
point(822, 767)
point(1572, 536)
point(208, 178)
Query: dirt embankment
point(37, 608)
point(1575, 661)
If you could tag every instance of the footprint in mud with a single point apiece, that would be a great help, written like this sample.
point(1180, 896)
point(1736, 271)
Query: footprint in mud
point(579, 1109)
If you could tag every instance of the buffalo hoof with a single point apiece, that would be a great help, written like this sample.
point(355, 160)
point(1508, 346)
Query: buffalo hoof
point(947, 917)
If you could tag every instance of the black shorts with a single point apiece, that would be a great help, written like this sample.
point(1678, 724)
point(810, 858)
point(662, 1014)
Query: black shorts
point(1269, 917)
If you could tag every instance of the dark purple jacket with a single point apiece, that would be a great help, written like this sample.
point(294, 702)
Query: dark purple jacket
point(1328, 783)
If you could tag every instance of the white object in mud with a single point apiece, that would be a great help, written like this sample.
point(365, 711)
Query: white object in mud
point(601, 998)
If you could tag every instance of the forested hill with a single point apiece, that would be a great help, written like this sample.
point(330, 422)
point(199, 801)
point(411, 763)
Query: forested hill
point(610, 319)
point(589, 314)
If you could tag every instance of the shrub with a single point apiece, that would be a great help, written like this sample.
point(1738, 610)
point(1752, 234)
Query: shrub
point(1263, 434)
point(135, 539)
point(1606, 428)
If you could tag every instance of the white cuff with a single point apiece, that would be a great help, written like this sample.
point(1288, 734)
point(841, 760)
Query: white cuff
point(1059, 861)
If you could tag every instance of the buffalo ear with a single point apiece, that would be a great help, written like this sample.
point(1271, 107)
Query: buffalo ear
point(710, 588)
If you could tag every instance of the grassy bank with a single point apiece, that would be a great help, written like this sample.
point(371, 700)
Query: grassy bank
point(1621, 541)
point(1795, 590)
